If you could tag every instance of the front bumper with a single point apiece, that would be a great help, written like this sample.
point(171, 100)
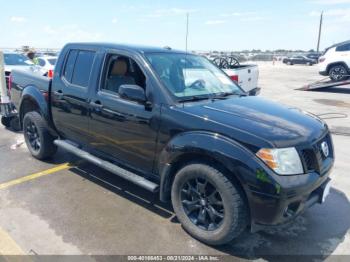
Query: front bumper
point(297, 194)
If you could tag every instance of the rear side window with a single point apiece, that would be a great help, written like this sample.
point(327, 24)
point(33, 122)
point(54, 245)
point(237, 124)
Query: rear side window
point(82, 68)
point(68, 70)
point(343, 48)
point(78, 67)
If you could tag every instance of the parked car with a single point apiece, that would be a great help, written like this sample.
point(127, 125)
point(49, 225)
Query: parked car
point(301, 60)
point(335, 62)
point(245, 75)
point(14, 60)
point(313, 56)
point(173, 123)
point(47, 63)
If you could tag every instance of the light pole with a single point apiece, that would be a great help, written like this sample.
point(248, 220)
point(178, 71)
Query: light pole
point(319, 33)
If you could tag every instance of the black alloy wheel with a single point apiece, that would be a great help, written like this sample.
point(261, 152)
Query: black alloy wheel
point(33, 136)
point(202, 203)
point(39, 140)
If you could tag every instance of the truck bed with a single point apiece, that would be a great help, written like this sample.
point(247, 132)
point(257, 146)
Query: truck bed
point(247, 76)
point(22, 79)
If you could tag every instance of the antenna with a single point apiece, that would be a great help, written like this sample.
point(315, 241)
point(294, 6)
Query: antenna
point(187, 18)
point(319, 32)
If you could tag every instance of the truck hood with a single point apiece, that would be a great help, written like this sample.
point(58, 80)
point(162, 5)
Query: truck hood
point(277, 125)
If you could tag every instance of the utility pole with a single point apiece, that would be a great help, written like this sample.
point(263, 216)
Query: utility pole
point(187, 17)
point(319, 33)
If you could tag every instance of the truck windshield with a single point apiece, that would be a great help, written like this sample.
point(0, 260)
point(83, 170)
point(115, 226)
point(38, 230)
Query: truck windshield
point(191, 76)
point(16, 59)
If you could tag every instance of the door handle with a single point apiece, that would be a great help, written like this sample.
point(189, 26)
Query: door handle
point(58, 93)
point(96, 104)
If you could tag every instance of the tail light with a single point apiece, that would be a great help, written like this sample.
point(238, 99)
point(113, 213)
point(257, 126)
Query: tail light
point(234, 78)
point(50, 74)
point(321, 59)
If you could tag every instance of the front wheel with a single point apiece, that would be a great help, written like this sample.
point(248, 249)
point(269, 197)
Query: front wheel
point(338, 73)
point(37, 137)
point(208, 205)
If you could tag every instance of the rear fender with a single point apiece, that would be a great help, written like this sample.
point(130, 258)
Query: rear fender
point(32, 96)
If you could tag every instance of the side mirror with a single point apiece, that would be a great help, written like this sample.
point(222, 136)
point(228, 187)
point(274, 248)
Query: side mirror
point(133, 93)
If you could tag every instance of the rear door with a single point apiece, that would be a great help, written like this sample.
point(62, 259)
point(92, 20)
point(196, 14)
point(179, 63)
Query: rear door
point(69, 95)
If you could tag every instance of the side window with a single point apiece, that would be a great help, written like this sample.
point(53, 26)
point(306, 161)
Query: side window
point(121, 70)
point(343, 48)
point(69, 67)
point(82, 68)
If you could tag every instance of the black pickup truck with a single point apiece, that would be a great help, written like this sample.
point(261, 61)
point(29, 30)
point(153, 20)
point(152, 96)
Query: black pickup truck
point(173, 123)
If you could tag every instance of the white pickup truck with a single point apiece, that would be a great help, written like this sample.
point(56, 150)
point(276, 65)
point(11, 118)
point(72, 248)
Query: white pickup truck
point(245, 75)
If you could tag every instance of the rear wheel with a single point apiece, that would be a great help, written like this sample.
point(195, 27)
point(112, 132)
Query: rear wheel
point(37, 137)
point(208, 205)
point(338, 73)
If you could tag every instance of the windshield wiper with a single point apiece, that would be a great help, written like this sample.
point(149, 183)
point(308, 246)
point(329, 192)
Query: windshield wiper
point(224, 95)
point(194, 98)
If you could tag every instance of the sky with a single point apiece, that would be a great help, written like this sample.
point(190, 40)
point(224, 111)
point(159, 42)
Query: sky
point(213, 25)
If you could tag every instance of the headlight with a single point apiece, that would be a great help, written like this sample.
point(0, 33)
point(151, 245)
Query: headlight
point(284, 161)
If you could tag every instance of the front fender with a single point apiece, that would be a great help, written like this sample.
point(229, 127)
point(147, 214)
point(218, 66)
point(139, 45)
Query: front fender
point(238, 160)
point(32, 95)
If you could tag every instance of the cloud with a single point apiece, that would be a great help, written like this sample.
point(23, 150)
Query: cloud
point(69, 33)
point(240, 14)
point(250, 16)
point(215, 22)
point(18, 19)
point(114, 20)
point(330, 2)
point(253, 19)
point(170, 12)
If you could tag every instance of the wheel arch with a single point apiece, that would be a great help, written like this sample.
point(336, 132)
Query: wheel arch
point(32, 100)
point(227, 155)
point(337, 63)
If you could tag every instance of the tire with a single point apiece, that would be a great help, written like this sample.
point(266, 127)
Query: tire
point(228, 223)
point(6, 121)
point(37, 137)
point(338, 73)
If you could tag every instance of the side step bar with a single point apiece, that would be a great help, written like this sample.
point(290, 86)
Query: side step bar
point(132, 177)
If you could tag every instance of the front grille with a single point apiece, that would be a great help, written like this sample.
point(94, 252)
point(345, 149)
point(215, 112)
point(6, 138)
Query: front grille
point(310, 160)
point(313, 159)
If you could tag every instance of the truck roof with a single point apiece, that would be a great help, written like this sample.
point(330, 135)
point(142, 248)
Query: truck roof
point(127, 47)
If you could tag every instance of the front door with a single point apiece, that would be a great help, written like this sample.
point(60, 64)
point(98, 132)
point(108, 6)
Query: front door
point(123, 129)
